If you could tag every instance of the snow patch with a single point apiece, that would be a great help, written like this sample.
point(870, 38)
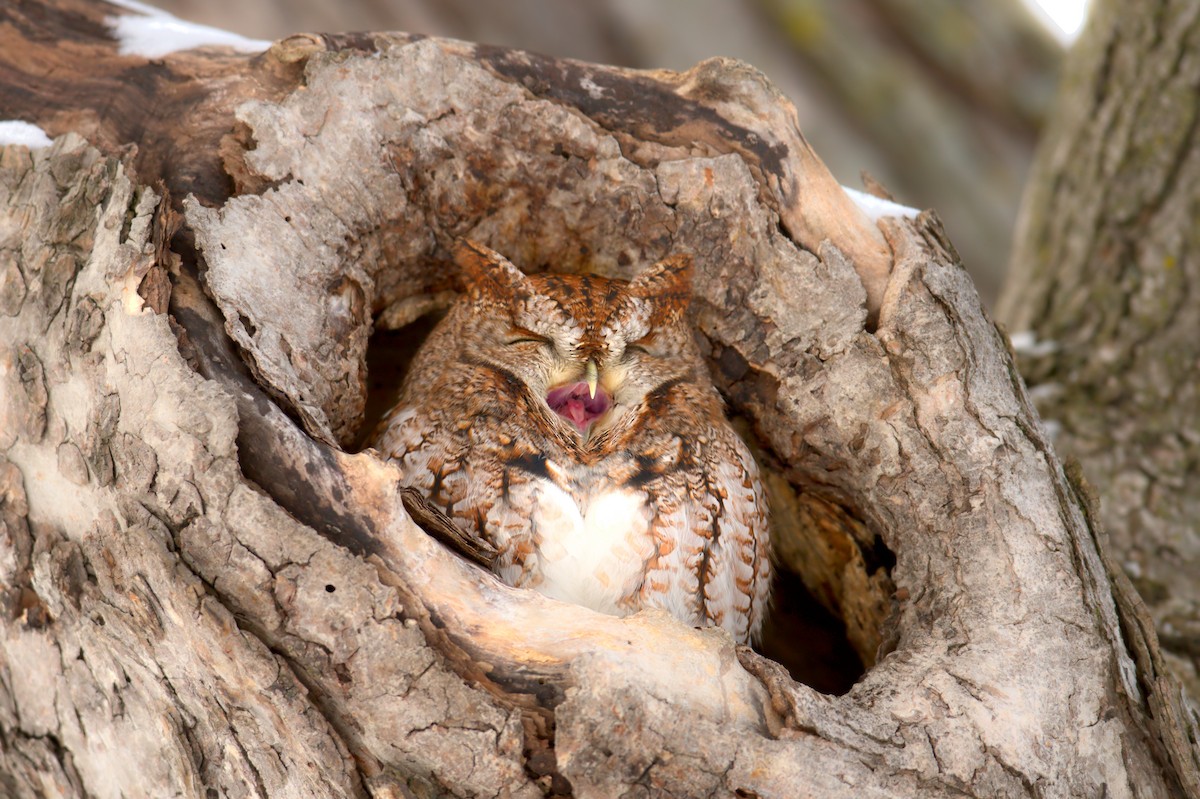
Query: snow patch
point(1045, 392)
point(877, 207)
point(1026, 343)
point(14, 131)
point(153, 33)
point(1064, 18)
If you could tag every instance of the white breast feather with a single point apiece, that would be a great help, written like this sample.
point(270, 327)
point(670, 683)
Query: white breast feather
point(591, 553)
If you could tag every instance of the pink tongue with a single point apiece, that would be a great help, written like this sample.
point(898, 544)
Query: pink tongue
point(573, 404)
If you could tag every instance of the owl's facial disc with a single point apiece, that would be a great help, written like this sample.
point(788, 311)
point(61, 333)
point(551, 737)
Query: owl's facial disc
point(574, 403)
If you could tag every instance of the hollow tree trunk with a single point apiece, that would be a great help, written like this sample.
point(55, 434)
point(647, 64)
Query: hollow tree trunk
point(206, 594)
point(1105, 279)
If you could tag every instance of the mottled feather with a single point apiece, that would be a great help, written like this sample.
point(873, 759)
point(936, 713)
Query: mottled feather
point(655, 502)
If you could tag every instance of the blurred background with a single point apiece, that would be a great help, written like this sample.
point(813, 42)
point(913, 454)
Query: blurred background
point(940, 101)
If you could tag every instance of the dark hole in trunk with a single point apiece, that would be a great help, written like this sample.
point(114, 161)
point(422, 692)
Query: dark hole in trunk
point(799, 634)
point(808, 640)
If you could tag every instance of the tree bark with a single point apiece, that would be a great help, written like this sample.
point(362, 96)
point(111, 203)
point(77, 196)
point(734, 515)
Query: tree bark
point(941, 101)
point(1104, 281)
point(206, 592)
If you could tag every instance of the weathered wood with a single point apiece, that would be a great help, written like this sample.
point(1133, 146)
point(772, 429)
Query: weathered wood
point(198, 577)
point(941, 100)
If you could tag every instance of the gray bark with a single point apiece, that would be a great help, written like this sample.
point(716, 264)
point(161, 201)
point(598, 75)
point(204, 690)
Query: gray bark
point(1104, 278)
point(939, 100)
point(207, 594)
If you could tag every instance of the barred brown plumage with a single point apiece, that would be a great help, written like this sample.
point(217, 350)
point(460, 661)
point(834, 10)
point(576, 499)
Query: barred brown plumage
point(570, 421)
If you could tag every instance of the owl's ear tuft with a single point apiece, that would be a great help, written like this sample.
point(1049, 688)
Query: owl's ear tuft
point(667, 284)
point(487, 273)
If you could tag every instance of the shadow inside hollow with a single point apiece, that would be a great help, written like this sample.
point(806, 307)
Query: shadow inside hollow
point(807, 640)
point(389, 354)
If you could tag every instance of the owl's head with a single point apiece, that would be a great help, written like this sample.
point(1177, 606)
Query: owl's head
point(591, 347)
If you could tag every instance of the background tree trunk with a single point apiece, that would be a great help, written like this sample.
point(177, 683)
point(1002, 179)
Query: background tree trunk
point(1104, 294)
point(205, 593)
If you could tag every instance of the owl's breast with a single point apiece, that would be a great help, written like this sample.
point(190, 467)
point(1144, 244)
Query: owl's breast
point(590, 544)
point(662, 519)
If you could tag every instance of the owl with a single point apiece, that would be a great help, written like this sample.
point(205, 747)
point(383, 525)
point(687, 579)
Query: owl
point(569, 420)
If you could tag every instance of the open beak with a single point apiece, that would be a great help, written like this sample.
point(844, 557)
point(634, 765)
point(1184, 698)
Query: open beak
point(591, 374)
point(581, 402)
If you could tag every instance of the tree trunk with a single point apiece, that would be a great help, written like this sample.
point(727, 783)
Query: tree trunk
point(1103, 289)
point(939, 100)
point(208, 593)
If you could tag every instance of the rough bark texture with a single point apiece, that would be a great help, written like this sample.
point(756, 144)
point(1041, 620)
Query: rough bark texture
point(939, 100)
point(204, 594)
point(1106, 278)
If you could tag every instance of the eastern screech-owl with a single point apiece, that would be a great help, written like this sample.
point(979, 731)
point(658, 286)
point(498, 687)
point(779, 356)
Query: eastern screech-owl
point(570, 421)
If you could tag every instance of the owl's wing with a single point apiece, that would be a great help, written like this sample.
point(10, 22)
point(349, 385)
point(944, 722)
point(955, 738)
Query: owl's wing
point(430, 454)
point(710, 523)
point(474, 470)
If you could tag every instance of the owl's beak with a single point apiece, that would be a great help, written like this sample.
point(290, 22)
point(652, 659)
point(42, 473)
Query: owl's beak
point(591, 374)
point(571, 402)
